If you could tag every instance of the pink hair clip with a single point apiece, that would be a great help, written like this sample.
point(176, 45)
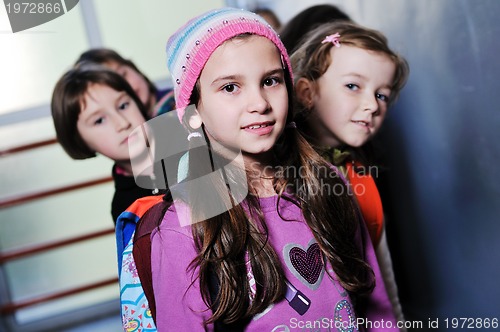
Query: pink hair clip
point(334, 39)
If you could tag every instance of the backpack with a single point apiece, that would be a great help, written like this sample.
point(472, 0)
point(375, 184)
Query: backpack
point(134, 227)
point(135, 311)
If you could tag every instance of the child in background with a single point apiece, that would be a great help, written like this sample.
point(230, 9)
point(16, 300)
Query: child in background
point(346, 77)
point(94, 111)
point(270, 17)
point(292, 253)
point(292, 33)
point(156, 101)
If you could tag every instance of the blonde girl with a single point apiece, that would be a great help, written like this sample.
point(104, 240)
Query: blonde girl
point(346, 78)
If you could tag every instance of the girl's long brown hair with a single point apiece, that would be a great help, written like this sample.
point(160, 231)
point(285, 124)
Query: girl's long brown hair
point(227, 241)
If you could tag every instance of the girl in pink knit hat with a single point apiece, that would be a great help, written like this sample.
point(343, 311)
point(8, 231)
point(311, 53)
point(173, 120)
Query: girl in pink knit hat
point(263, 234)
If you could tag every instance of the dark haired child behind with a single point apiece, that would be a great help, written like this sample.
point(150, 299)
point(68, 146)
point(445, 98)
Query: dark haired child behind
point(94, 111)
point(291, 253)
point(298, 26)
point(156, 101)
point(270, 17)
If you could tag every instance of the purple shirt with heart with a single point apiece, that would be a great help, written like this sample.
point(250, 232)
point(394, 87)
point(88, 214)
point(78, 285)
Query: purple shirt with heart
point(180, 307)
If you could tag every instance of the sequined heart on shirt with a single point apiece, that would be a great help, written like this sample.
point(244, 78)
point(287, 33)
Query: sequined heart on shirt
point(305, 264)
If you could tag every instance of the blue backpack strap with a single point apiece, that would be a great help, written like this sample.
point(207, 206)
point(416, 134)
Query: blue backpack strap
point(125, 228)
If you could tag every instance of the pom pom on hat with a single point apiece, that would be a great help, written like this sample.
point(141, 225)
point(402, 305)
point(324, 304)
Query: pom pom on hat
point(189, 49)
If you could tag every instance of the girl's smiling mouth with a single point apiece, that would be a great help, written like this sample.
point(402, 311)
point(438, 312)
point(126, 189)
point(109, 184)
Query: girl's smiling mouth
point(259, 128)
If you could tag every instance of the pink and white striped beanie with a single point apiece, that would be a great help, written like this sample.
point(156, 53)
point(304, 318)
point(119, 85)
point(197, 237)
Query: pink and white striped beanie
point(190, 47)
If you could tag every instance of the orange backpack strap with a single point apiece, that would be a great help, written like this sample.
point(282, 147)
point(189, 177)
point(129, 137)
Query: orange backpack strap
point(368, 197)
point(140, 206)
